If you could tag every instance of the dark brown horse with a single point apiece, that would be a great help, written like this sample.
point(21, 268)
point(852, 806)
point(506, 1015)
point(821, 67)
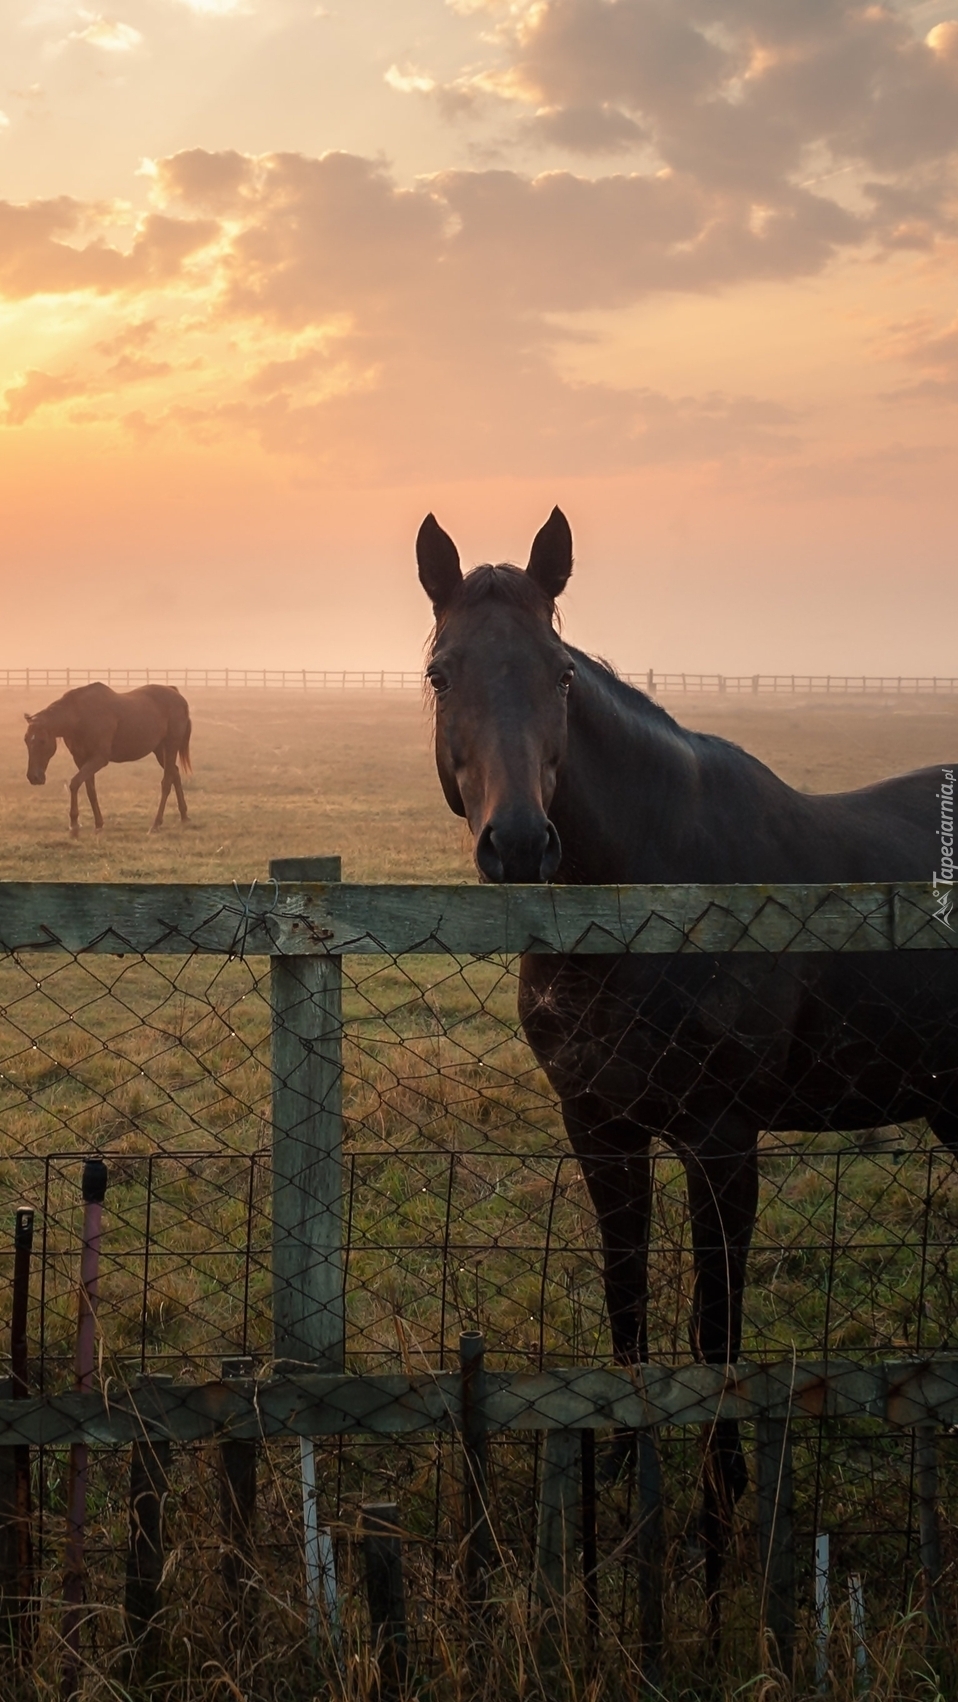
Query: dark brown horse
point(565, 773)
point(99, 725)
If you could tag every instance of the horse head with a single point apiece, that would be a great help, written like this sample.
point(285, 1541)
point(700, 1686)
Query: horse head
point(41, 745)
point(501, 677)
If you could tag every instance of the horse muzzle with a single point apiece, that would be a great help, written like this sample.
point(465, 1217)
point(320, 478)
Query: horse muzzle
point(522, 851)
point(37, 779)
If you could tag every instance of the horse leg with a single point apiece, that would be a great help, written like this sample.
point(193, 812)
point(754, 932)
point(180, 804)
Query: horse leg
point(166, 783)
point(722, 1178)
point(84, 777)
point(94, 803)
point(614, 1159)
point(178, 789)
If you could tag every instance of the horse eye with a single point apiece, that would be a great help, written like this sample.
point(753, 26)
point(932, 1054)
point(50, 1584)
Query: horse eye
point(565, 681)
point(437, 680)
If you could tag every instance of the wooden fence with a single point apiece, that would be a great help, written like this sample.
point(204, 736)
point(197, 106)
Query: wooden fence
point(398, 679)
point(304, 919)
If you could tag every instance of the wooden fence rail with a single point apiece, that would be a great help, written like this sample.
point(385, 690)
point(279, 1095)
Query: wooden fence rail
point(904, 1393)
point(658, 684)
point(326, 919)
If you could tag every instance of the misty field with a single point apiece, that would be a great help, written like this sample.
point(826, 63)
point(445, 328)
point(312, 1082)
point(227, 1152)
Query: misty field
point(282, 774)
point(465, 1209)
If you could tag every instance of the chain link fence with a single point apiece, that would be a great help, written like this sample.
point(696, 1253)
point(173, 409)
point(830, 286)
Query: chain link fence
point(142, 1024)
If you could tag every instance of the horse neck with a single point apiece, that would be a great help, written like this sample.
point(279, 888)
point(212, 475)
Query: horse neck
point(59, 717)
point(625, 800)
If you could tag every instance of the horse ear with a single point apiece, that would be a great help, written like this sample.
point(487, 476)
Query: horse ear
point(550, 560)
point(27, 717)
point(439, 572)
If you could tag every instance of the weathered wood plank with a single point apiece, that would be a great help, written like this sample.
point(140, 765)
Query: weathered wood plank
point(477, 1533)
point(308, 1404)
point(150, 1465)
point(650, 1553)
point(776, 1535)
point(559, 1496)
point(309, 1324)
point(926, 1476)
point(294, 919)
point(386, 1595)
point(237, 1528)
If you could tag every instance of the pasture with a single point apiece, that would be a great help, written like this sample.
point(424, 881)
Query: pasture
point(278, 775)
point(465, 1210)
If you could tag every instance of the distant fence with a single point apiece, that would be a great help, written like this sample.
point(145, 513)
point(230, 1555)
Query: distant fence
point(341, 1207)
point(398, 679)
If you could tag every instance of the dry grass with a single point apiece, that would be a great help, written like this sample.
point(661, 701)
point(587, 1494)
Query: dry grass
point(278, 774)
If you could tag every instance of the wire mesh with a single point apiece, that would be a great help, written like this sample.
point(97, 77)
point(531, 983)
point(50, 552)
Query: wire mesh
point(463, 1209)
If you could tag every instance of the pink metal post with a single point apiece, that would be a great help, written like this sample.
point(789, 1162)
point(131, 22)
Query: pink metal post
point(94, 1189)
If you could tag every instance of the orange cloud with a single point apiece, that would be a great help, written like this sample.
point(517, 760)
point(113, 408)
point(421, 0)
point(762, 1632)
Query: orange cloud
point(37, 256)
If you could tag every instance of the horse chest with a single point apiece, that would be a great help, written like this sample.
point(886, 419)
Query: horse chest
point(794, 1043)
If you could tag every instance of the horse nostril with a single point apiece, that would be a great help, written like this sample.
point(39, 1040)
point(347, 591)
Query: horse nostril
point(551, 856)
point(488, 861)
point(521, 850)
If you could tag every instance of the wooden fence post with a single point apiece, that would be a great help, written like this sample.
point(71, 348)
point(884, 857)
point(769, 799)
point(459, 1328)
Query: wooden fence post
point(590, 1544)
point(16, 1512)
point(385, 1593)
point(150, 1462)
point(559, 1494)
point(307, 1064)
point(650, 1551)
point(475, 1465)
point(9, 1547)
point(929, 1536)
point(237, 1516)
point(776, 1541)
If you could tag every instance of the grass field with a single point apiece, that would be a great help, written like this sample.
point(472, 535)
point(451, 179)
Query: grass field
point(282, 774)
point(464, 1209)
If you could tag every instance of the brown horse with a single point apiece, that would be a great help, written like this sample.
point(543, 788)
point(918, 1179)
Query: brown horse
point(565, 773)
point(99, 725)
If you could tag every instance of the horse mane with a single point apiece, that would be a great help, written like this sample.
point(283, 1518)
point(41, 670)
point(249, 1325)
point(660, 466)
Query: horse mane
point(631, 697)
point(67, 698)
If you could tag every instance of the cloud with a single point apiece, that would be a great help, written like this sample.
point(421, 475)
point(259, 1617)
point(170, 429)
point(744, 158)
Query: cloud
point(345, 302)
point(409, 81)
point(216, 8)
point(346, 318)
point(43, 251)
point(37, 389)
point(934, 348)
point(108, 34)
point(745, 99)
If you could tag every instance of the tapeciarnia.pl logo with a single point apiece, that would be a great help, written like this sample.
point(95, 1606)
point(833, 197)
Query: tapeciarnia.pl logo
point(943, 879)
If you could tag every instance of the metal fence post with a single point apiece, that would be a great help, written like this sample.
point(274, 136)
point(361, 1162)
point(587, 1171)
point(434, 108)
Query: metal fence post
point(307, 1062)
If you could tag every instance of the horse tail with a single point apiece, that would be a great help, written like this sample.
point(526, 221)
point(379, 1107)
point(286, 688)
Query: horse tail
point(184, 748)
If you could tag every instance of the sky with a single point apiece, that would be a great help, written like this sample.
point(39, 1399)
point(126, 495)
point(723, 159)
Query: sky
point(277, 278)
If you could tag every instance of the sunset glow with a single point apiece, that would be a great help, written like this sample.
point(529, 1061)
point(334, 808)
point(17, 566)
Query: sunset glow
point(276, 278)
